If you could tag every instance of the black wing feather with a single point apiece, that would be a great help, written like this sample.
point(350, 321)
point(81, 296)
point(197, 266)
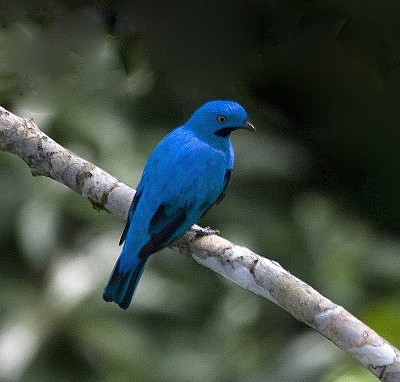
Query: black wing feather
point(132, 209)
point(161, 238)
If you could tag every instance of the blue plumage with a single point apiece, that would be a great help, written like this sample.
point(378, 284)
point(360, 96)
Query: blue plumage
point(187, 173)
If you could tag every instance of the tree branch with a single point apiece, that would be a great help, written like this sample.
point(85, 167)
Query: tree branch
point(258, 274)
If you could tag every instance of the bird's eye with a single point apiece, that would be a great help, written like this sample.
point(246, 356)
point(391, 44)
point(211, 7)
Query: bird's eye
point(221, 119)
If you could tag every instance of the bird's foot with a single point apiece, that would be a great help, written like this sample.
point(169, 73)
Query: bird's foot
point(206, 231)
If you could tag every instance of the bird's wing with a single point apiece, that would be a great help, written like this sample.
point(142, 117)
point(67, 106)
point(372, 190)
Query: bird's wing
point(168, 223)
point(174, 217)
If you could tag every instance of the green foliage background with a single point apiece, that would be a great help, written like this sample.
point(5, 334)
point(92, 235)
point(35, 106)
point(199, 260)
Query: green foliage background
point(316, 188)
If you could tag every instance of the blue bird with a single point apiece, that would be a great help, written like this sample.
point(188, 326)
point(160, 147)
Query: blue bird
point(187, 173)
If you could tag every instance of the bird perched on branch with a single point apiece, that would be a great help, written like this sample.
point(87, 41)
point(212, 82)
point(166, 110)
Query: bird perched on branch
point(187, 173)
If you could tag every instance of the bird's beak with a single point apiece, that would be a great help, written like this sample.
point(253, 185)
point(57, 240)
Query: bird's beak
point(248, 126)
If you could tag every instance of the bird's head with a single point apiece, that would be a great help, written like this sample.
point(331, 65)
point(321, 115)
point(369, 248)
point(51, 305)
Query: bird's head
point(219, 118)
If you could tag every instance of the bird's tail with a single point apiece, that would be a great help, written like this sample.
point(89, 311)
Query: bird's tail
point(123, 283)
